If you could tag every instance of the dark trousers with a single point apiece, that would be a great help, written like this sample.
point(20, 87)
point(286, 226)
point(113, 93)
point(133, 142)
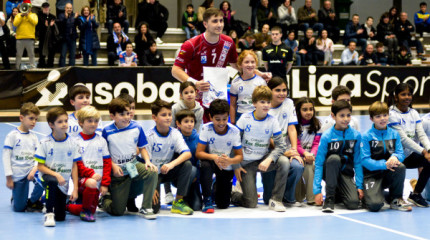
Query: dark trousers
point(422, 27)
point(286, 29)
point(4, 52)
point(333, 32)
point(374, 185)
point(112, 56)
point(416, 160)
point(223, 183)
point(160, 27)
point(51, 55)
point(338, 184)
point(55, 198)
point(412, 43)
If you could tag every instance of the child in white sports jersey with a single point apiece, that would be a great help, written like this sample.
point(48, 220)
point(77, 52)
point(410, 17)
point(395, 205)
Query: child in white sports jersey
point(407, 122)
point(258, 127)
point(219, 138)
point(242, 87)
point(80, 97)
point(95, 168)
point(163, 142)
point(18, 161)
point(188, 101)
point(426, 126)
point(57, 157)
point(128, 175)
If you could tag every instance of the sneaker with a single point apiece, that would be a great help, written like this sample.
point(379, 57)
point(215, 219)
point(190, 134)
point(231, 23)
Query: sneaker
point(208, 206)
point(131, 206)
point(400, 204)
point(147, 214)
point(293, 204)
point(421, 57)
point(87, 216)
point(102, 200)
point(34, 207)
point(413, 183)
point(328, 206)
point(158, 41)
point(49, 220)
point(181, 208)
point(418, 200)
point(169, 198)
point(277, 206)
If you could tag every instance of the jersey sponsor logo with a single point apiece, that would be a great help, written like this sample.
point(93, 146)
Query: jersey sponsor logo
point(180, 59)
point(172, 147)
point(223, 55)
point(275, 61)
point(240, 89)
point(203, 59)
point(284, 115)
point(100, 149)
point(267, 131)
point(69, 153)
point(229, 143)
point(182, 52)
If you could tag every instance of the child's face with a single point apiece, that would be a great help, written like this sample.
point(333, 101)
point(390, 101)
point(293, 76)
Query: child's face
point(220, 122)
point(423, 8)
point(307, 111)
point(164, 118)
point(262, 106)
point(342, 118)
point(122, 119)
point(380, 49)
point(404, 98)
point(186, 125)
point(190, 10)
point(81, 100)
point(233, 34)
point(129, 49)
point(189, 94)
point(380, 120)
point(403, 53)
point(60, 125)
point(89, 126)
point(117, 2)
point(132, 110)
point(28, 121)
point(279, 94)
point(291, 36)
point(153, 48)
point(248, 65)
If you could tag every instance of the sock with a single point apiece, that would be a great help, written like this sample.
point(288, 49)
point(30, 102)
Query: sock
point(74, 209)
point(90, 199)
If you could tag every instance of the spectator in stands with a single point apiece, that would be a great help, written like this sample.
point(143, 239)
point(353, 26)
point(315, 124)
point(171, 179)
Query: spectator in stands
point(189, 21)
point(403, 30)
point(326, 45)
point(308, 49)
point(128, 58)
point(369, 31)
point(308, 18)
point(10, 5)
point(116, 43)
point(233, 35)
point(247, 42)
point(287, 18)
point(266, 15)
point(60, 6)
point(225, 7)
point(349, 55)
point(153, 57)
point(142, 40)
point(67, 23)
point(394, 15)
point(11, 41)
point(262, 39)
point(327, 17)
point(3, 39)
point(277, 57)
point(156, 15)
point(254, 4)
point(25, 24)
point(205, 5)
point(293, 44)
point(368, 58)
point(117, 12)
point(385, 34)
point(422, 22)
point(381, 55)
point(47, 33)
point(89, 41)
point(354, 32)
point(403, 57)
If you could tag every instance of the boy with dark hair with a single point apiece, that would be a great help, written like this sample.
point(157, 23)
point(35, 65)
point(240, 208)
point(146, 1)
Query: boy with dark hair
point(219, 138)
point(337, 159)
point(18, 161)
point(381, 55)
point(189, 21)
point(421, 19)
point(164, 142)
point(382, 157)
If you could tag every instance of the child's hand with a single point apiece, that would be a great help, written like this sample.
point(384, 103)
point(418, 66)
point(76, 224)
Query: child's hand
point(224, 161)
point(151, 167)
point(30, 176)
point(360, 194)
point(97, 177)
point(155, 197)
point(74, 195)
point(9, 182)
point(309, 157)
point(60, 180)
point(319, 199)
point(264, 165)
point(117, 171)
point(166, 168)
point(298, 158)
point(103, 190)
point(237, 173)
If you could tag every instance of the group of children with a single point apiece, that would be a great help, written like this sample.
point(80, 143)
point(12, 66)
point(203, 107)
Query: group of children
point(293, 152)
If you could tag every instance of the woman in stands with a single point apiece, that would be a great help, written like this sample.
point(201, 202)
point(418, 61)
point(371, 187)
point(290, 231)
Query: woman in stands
point(142, 41)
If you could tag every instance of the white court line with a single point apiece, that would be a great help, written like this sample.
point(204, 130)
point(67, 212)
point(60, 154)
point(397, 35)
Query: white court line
point(10, 124)
point(379, 227)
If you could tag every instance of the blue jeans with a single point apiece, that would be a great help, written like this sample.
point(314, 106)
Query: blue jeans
point(426, 192)
point(93, 58)
point(188, 31)
point(20, 194)
point(362, 42)
point(68, 44)
point(124, 25)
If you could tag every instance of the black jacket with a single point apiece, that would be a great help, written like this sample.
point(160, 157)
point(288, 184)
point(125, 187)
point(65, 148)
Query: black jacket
point(111, 45)
point(113, 12)
point(151, 13)
point(384, 29)
point(403, 30)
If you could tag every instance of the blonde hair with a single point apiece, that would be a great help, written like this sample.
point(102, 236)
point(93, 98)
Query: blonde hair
point(244, 54)
point(261, 93)
point(377, 108)
point(87, 112)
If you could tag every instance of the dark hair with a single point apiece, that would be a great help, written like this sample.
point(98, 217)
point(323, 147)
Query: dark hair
point(219, 106)
point(340, 90)
point(384, 15)
point(229, 5)
point(397, 12)
point(315, 124)
point(78, 89)
point(118, 105)
point(369, 18)
point(28, 108)
point(397, 90)
point(186, 84)
point(276, 81)
point(207, 3)
point(127, 97)
point(379, 44)
point(158, 105)
point(83, 8)
point(139, 26)
point(212, 12)
point(403, 48)
point(190, 5)
point(423, 4)
point(183, 114)
point(355, 15)
point(54, 113)
point(340, 105)
point(118, 23)
point(129, 42)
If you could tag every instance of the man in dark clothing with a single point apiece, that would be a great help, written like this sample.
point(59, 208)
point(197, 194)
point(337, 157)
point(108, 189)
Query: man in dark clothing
point(266, 15)
point(308, 18)
point(67, 22)
point(155, 14)
point(403, 29)
point(117, 13)
point(116, 43)
point(308, 49)
point(354, 33)
point(277, 57)
point(46, 31)
point(369, 57)
point(327, 17)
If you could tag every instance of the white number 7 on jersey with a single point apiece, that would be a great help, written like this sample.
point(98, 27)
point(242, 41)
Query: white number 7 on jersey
point(213, 58)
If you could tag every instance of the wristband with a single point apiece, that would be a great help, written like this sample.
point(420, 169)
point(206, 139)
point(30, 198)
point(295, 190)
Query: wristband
point(190, 79)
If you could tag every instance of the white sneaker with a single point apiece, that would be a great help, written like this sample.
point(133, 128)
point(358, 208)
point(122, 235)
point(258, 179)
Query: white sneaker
point(277, 206)
point(148, 214)
point(158, 41)
point(49, 220)
point(169, 198)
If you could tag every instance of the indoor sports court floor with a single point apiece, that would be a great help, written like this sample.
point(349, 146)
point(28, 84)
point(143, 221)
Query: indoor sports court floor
point(233, 223)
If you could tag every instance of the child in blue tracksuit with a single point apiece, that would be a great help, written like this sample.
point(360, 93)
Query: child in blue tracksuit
point(382, 157)
point(337, 158)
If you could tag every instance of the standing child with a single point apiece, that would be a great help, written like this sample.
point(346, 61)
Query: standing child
point(258, 127)
point(407, 122)
point(189, 21)
point(242, 87)
point(426, 126)
point(382, 157)
point(188, 101)
point(309, 135)
point(217, 141)
point(57, 157)
point(128, 58)
point(18, 161)
point(337, 160)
